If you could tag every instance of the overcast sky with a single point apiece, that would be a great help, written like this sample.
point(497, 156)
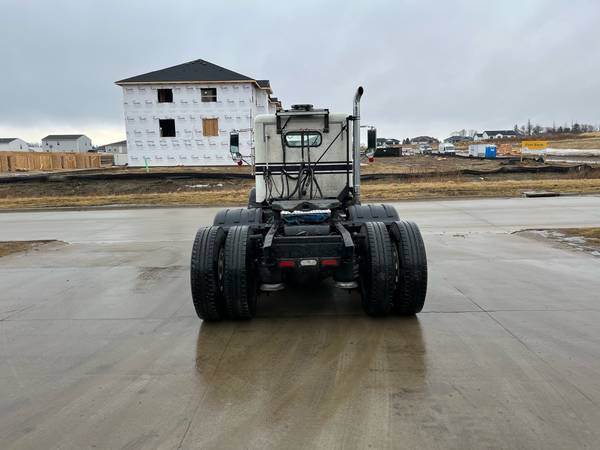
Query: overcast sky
point(428, 67)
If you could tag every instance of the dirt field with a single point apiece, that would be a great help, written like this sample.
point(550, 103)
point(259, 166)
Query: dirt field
point(387, 179)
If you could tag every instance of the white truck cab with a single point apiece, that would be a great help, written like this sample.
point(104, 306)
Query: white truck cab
point(302, 154)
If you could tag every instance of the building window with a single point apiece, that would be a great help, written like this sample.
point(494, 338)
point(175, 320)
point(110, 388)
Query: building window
point(209, 95)
point(210, 127)
point(167, 127)
point(165, 95)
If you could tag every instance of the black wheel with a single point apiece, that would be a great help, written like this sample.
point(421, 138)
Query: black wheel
point(239, 286)
point(360, 214)
point(252, 198)
point(377, 274)
point(206, 273)
point(238, 216)
point(411, 281)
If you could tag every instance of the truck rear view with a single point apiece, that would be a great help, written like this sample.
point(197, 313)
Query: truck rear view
point(305, 220)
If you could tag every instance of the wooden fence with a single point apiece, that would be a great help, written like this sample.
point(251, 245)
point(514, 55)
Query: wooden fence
point(37, 161)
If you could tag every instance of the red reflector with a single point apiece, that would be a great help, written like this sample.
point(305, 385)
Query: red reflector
point(287, 263)
point(329, 262)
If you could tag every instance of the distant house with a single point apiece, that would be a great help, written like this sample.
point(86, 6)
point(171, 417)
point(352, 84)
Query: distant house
point(455, 139)
point(499, 134)
point(115, 148)
point(13, 145)
point(183, 115)
point(424, 140)
point(118, 150)
point(66, 143)
point(383, 142)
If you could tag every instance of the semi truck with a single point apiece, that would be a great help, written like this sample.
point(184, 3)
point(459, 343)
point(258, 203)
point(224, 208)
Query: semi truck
point(305, 218)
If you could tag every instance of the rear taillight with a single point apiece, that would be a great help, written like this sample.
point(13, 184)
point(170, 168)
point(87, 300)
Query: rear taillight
point(330, 262)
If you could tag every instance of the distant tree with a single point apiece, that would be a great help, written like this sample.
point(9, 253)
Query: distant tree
point(576, 128)
point(516, 128)
point(523, 129)
point(529, 127)
point(537, 129)
point(560, 130)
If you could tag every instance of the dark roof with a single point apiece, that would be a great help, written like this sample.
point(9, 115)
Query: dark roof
point(114, 143)
point(6, 140)
point(198, 70)
point(495, 132)
point(64, 137)
point(264, 84)
point(424, 138)
point(452, 139)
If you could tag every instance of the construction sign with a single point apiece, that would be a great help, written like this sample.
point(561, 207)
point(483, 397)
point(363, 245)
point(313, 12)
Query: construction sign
point(534, 145)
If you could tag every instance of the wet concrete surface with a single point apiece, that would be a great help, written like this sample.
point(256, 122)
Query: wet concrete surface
point(100, 346)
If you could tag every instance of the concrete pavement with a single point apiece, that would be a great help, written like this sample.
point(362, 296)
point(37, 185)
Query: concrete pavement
point(100, 346)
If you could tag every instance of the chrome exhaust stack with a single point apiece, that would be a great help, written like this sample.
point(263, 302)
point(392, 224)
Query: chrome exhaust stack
point(356, 143)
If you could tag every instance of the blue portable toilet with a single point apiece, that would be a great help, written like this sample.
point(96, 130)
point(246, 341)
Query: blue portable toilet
point(490, 152)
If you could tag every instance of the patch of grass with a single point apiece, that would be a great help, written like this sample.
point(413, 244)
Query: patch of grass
point(500, 188)
point(371, 191)
point(206, 198)
point(591, 235)
point(10, 247)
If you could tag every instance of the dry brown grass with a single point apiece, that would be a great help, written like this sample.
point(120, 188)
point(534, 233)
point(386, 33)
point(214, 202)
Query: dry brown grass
point(500, 188)
point(10, 247)
point(583, 143)
point(591, 235)
point(206, 198)
point(372, 191)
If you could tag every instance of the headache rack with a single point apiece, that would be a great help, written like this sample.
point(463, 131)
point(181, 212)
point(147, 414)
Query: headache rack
point(302, 111)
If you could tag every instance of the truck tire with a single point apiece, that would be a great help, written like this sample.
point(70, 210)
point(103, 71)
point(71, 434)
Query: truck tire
point(229, 217)
point(377, 274)
point(206, 273)
point(411, 281)
point(239, 286)
point(360, 214)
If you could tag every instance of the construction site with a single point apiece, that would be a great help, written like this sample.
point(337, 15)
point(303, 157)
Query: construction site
point(388, 178)
point(365, 225)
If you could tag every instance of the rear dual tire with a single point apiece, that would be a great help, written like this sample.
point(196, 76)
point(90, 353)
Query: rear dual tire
point(222, 279)
point(206, 273)
point(411, 279)
point(393, 269)
point(240, 284)
point(377, 274)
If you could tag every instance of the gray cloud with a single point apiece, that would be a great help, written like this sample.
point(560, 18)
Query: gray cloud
point(427, 66)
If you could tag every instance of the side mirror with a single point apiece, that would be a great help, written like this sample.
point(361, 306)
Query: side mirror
point(372, 139)
point(234, 144)
point(371, 143)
